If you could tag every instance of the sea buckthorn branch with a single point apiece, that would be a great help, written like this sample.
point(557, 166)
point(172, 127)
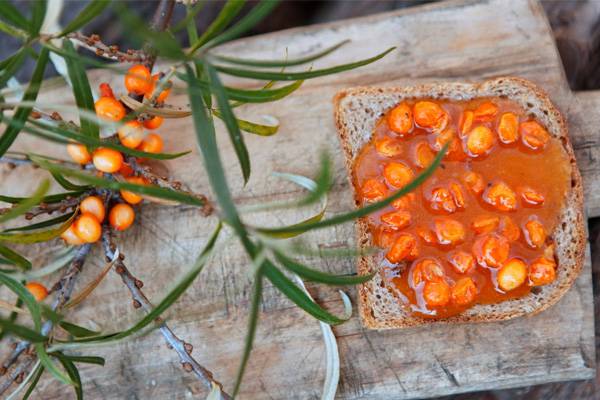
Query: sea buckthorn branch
point(111, 52)
point(140, 300)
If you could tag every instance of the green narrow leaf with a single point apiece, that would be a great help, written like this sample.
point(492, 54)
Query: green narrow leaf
point(15, 258)
point(53, 198)
point(188, 21)
point(12, 31)
point(237, 140)
point(20, 116)
point(292, 76)
point(53, 369)
point(37, 236)
point(91, 11)
point(76, 330)
point(281, 63)
point(81, 91)
point(319, 276)
point(9, 13)
point(227, 14)
point(85, 359)
point(39, 371)
point(251, 127)
point(43, 224)
point(27, 203)
point(21, 331)
point(38, 12)
point(11, 65)
point(27, 298)
point(66, 184)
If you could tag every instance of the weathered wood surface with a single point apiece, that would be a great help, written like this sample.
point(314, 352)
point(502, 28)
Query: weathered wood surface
point(449, 41)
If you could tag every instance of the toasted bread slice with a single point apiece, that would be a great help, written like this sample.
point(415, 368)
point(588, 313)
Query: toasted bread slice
point(356, 112)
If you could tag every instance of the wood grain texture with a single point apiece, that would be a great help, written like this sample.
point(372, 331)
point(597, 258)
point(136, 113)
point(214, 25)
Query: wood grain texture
point(457, 40)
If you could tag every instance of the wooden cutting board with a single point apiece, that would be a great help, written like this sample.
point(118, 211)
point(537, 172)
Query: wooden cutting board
point(456, 40)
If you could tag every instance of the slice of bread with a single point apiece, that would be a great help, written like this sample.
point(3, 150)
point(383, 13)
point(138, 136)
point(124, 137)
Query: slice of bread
point(356, 112)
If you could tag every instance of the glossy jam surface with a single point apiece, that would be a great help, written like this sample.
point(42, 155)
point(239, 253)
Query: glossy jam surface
point(479, 229)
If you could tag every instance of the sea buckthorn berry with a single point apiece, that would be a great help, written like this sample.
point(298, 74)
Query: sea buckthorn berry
point(94, 206)
point(396, 219)
point(88, 228)
point(461, 261)
point(388, 147)
point(436, 294)
point(464, 291)
point(509, 229)
point(373, 190)
point(152, 143)
point(533, 135)
point(531, 196)
point(70, 236)
point(125, 170)
point(508, 128)
point(398, 174)
point(542, 272)
point(534, 232)
point(400, 119)
point(430, 115)
point(403, 248)
point(457, 194)
point(79, 153)
point(385, 237)
point(425, 270)
point(449, 231)
point(485, 224)
point(131, 197)
point(426, 234)
point(107, 160)
point(153, 123)
point(491, 250)
point(501, 196)
point(440, 139)
point(131, 134)
point(485, 112)
point(480, 141)
point(442, 200)
point(106, 90)
point(405, 201)
point(512, 274)
point(163, 95)
point(37, 290)
point(423, 155)
point(121, 216)
point(474, 181)
point(465, 124)
point(138, 80)
point(110, 109)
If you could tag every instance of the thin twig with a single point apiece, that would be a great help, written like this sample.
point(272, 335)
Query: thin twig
point(135, 285)
point(160, 22)
point(111, 52)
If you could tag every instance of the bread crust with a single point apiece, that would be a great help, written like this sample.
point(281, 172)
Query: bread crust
point(357, 109)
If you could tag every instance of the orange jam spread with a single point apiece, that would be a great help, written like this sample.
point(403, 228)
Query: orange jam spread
point(478, 231)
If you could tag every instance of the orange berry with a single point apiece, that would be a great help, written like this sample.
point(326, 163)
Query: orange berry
point(79, 153)
point(512, 274)
point(457, 194)
point(121, 216)
point(153, 123)
point(106, 90)
point(464, 291)
point(152, 143)
point(398, 174)
point(465, 124)
point(131, 197)
point(107, 160)
point(425, 270)
point(405, 201)
point(446, 136)
point(533, 135)
point(474, 181)
point(485, 224)
point(396, 219)
point(485, 112)
point(400, 119)
point(531, 196)
point(138, 80)
point(94, 206)
point(430, 115)
point(88, 228)
point(388, 147)
point(125, 170)
point(542, 272)
point(491, 250)
point(508, 128)
point(449, 231)
point(423, 155)
point(163, 95)
point(37, 290)
point(403, 248)
point(501, 196)
point(373, 190)
point(535, 234)
point(426, 234)
point(480, 141)
point(110, 108)
point(461, 261)
point(385, 237)
point(442, 200)
point(509, 229)
point(436, 294)
point(70, 236)
point(131, 134)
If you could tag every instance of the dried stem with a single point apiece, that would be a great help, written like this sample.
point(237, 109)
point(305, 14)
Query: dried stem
point(135, 285)
point(160, 22)
point(112, 52)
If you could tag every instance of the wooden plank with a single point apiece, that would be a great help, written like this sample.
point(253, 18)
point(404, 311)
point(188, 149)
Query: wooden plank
point(449, 41)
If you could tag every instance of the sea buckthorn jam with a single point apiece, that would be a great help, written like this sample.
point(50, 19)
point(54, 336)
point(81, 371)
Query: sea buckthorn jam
point(479, 230)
